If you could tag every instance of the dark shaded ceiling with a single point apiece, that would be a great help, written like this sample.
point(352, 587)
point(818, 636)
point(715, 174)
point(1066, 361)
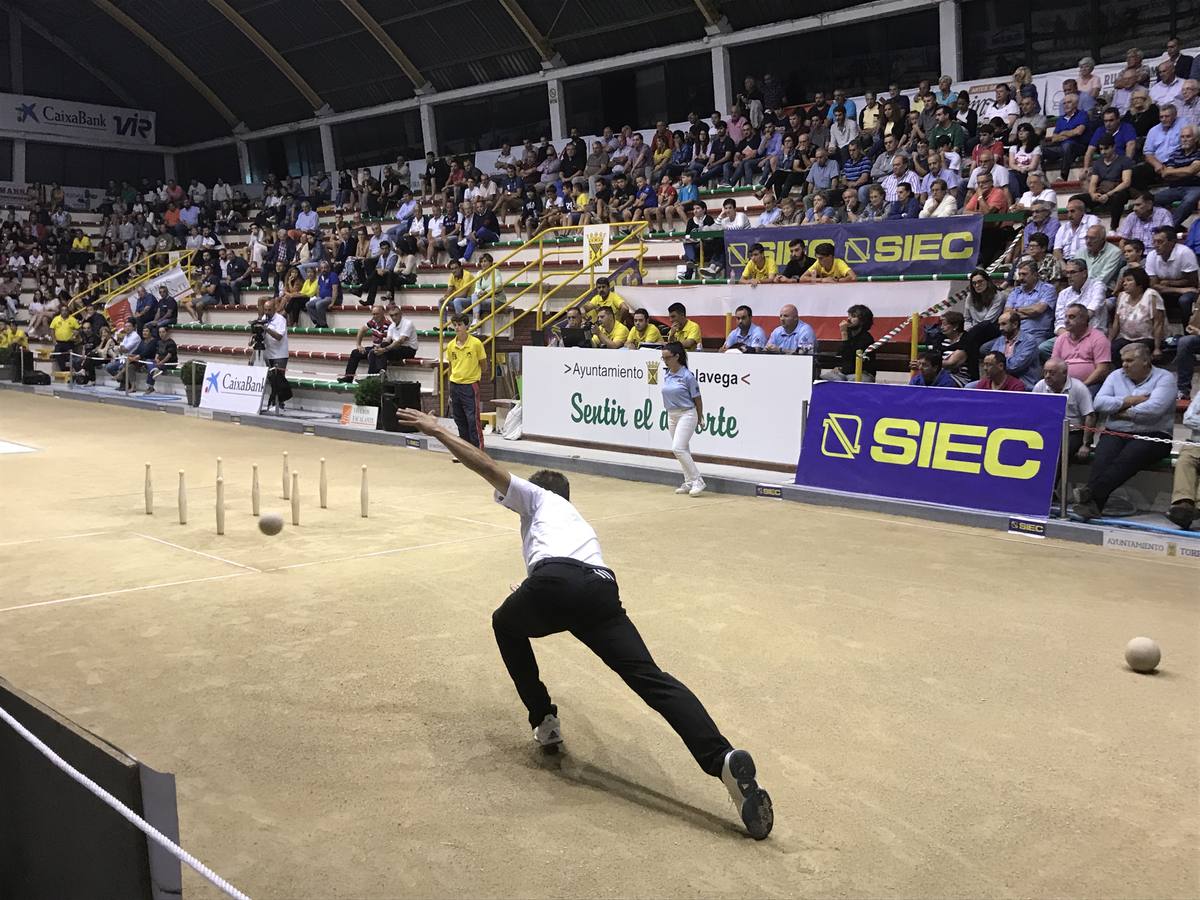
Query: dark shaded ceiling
point(453, 43)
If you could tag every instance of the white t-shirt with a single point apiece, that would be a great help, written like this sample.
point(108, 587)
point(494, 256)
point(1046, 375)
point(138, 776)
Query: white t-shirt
point(1181, 261)
point(403, 331)
point(999, 177)
point(995, 111)
point(550, 525)
point(276, 349)
point(1079, 398)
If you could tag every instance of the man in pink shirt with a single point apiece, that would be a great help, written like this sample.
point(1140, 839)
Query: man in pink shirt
point(1085, 350)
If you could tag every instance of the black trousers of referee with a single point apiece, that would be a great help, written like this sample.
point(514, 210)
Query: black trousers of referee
point(566, 595)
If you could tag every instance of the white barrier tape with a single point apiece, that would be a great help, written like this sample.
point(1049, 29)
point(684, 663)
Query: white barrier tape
point(133, 818)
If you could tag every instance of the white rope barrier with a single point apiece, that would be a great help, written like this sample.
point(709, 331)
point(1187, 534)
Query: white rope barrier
point(137, 821)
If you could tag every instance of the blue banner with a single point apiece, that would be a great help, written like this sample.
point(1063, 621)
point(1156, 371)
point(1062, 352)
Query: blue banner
point(989, 450)
point(894, 247)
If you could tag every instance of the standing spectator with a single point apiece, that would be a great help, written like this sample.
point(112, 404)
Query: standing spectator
point(64, 327)
point(1187, 473)
point(1139, 401)
point(1084, 348)
point(466, 356)
point(995, 375)
point(685, 410)
point(1140, 316)
point(1080, 411)
point(275, 353)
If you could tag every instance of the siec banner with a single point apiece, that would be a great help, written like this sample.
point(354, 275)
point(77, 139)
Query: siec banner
point(233, 388)
point(752, 402)
point(896, 247)
point(987, 450)
point(70, 118)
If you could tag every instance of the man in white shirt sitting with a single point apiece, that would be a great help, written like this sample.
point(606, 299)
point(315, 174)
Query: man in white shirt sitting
point(569, 588)
point(1080, 412)
point(399, 344)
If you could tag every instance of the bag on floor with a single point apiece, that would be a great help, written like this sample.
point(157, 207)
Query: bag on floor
point(37, 378)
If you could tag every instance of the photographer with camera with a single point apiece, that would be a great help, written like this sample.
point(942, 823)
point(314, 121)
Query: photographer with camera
point(268, 336)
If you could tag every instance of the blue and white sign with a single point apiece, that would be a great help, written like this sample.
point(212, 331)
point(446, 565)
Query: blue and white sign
point(231, 388)
point(71, 118)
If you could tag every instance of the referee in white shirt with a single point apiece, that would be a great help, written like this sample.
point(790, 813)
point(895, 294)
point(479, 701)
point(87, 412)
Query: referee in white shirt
point(568, 588)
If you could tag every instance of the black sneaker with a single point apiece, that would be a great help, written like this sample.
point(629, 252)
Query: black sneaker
point(753, 803)
point(1183, 514)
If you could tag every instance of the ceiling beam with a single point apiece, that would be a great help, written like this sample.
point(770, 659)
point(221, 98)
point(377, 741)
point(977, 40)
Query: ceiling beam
point(714, 22)
point(78, 58)
point(172, 60)
point(537, 40)
point(419, 81)
point(264, 46)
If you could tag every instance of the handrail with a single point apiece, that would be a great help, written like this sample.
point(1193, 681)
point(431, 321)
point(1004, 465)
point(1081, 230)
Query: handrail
point(150, 269)
point(561, 247)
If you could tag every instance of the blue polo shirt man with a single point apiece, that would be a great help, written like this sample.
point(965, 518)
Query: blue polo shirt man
point(792, 335)
point(1037, 296)
point(746, 334)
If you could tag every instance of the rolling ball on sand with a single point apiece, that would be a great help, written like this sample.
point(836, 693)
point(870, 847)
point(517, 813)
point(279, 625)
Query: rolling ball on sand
point(270, 523)
point(1143, 654)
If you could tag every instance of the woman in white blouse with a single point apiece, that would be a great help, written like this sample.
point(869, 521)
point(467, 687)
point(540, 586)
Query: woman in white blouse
point(1140, 317)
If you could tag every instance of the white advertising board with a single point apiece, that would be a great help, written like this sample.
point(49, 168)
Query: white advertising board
point(233, 388)
point(71, 118)
point(753, 403)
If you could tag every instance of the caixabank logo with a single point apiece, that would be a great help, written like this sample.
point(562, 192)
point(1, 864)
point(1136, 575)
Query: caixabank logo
point(966, 448)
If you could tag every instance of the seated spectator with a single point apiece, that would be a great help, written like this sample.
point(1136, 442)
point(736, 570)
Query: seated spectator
point(1033, 301)
point(1162, 142)
point(718, 167)
point(307, 219)
point(1072, 233)
point(1140, 316)
point(941, 202)
point(960, 356)
point(682, 329)
point(130, 339)
point(1031, 115)
point(1056, 379)
point(644, 331)
point(792, 336)
point(1131, 80)
point(986, 198)
point(166, 357)
point(822, 212)
point(572, 330)
point(606, 298)
point(1082, 291)
point(786, 170)
point(1143, 219)
point(1169, 85)
point(329, 293)
point(1139, 401)
point(771, 211)
point(798, 263)
point(1181, 177)
point(1024, 157)
point(609, 334)
point(1070, 136)
point(746, 336)
point(905, 206)
point(384, 273)
point(1122, 134)
point(760, 268)
point(483, 230)
point(988, 166)
point(1103, 259)
point(144, 353)
point(1186, 352)
point(856, 338)
point(995, 375)
point(1048, 268)
point(374, 328)
point(1110, 180)
point(1172, 269)
point(901, 174)
point(823, 172)
point(851, 208)
point(930, 373)
point(827, 267)
point(877, 207)
point(399, 342)
point(713, 248)
point(1184, 492)
point(1020, 350)
point(1189, 103)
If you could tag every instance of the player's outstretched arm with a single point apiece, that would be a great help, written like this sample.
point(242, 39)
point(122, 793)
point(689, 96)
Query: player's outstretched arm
point(469, 455)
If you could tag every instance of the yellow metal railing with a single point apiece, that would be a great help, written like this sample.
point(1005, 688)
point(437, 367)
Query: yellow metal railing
point(142, 270)
point(550, 244)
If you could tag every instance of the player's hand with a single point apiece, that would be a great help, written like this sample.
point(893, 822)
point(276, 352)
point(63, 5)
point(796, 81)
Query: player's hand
point(414, 418)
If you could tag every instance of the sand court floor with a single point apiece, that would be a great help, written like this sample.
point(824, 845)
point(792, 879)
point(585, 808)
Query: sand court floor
point(937, 711)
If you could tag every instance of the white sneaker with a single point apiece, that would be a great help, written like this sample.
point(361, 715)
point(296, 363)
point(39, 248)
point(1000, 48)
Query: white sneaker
point(753, 803)
point(697, 488)
point(684, 488)
point(549, 735)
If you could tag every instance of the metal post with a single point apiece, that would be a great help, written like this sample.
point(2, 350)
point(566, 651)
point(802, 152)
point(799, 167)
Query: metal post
point(916, 326)
point(858, 366)
point(1065, 464)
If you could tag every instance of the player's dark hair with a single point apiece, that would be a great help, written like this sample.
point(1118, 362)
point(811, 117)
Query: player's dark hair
point(552, 481)
point(676, 349)
point(933, 358)
point(866, 318)
point(677, 307)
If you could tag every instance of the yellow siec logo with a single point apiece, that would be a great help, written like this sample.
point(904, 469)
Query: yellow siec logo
point(890, 248)
point(929, 445)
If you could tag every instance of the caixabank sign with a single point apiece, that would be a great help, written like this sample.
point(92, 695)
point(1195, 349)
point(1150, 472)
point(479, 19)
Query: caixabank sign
point(70, 118)
point(988, 450)
point(897, 247)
